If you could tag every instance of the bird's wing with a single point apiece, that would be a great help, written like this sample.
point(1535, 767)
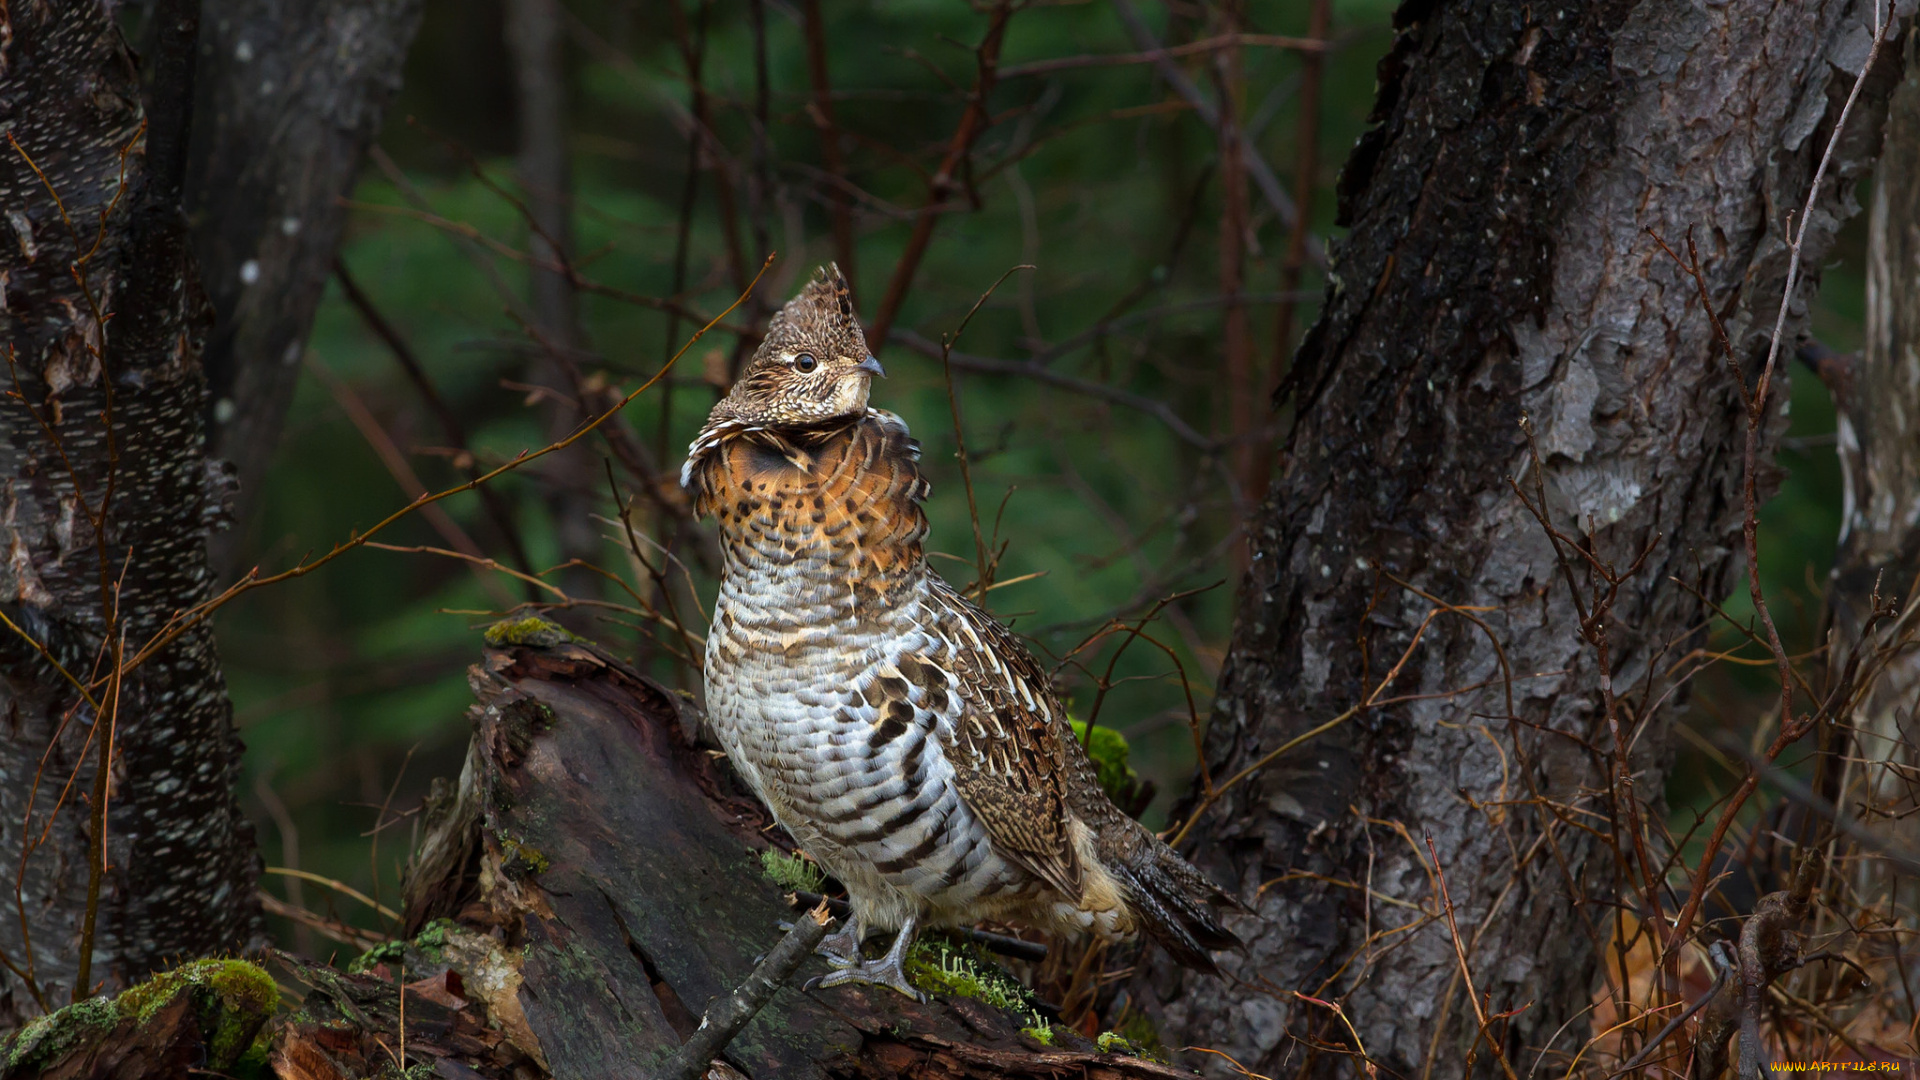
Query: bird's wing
point(1004, 741)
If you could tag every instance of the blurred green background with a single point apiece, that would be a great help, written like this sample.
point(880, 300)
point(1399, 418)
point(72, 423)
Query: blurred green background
point(349, 684)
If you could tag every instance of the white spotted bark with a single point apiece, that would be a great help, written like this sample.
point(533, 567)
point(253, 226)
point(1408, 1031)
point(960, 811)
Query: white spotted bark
point(103, 323)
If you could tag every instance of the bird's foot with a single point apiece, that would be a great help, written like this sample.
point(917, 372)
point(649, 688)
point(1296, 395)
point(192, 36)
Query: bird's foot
point(889, 971)
point(886, 972)
point(842, 948)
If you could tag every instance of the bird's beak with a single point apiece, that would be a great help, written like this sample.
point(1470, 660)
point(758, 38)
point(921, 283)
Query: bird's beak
point(871, 367)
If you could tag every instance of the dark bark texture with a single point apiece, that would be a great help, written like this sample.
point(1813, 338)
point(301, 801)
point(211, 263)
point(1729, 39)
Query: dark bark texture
point(604, 870)
point(291, 94)
point(1500, 268)
point(103, 323)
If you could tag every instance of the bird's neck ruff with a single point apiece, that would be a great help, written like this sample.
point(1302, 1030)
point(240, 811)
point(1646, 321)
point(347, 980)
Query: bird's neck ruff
point(840, 498)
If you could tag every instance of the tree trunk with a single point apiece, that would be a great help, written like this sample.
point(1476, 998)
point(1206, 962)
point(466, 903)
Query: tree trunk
point(108, 502)
point(1500, 270)
point(291, 94)
point(1877, 397)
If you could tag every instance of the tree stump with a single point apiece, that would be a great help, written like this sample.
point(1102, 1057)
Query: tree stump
point(601, 870)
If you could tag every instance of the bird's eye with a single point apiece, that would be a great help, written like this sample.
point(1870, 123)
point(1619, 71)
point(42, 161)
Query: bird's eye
point(805, 363)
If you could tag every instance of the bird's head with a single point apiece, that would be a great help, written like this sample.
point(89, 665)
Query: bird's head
point(813, 365)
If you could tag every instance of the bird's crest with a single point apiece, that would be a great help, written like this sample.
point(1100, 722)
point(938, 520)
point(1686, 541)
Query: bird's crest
point(811, 368)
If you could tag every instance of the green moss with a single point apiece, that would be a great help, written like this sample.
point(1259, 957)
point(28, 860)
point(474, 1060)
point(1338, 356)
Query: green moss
point(428, 947)
point(522, 861)
point(793, 873)
point(236, 983)
point(1110, 754)
point(232, 997)
point(1112, 1042)
point(48, 1039)
point(258, 1060)
point(941, 966)
point(432, 939)
point(1041, 1033)
point(1133, 1035)
point(386, 952)
point(531, 630)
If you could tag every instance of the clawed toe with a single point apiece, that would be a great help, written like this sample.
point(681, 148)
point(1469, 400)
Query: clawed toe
point(888, 971)
point(842, 949)
point(835, 960)
point(874, 973)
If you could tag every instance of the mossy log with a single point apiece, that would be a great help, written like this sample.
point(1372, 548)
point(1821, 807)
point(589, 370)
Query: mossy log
point(207, 1017)
point(603, 876)
point(593, 883)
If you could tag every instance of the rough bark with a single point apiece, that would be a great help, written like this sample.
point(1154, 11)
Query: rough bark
point(103, 324)
point(614, 862)
point(1499, 268)
point(291, 94)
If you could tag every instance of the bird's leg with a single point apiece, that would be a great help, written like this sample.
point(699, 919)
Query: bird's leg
point(842, 947)
point(889, 971)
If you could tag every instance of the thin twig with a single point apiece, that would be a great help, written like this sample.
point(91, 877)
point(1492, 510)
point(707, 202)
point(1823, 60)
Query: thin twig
point(1257, 167)
point(1312, 45)
point(1268, 758)
point(1466, 971)
point(984, 579)
point(102, 788)
point(1155, 408)
point(351, 936)
point(820, 108)
point(724, 1018)
point(399, 468)
point(1306, 180)
point(973, 122)
point(199, 613)
point(450, 426)
point(1683, 922)
point(1004, 944)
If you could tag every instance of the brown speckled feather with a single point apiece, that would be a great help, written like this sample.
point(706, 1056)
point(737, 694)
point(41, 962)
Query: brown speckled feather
point(1011, 745)
point(855, 490)
point(906, 738)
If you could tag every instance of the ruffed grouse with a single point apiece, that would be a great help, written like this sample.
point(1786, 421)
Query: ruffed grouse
point(906, 739)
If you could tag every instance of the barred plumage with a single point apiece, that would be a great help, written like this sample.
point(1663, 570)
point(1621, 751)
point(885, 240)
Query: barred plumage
point(906, 739)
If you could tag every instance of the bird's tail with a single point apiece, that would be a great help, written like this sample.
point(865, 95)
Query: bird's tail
point(1175, 903)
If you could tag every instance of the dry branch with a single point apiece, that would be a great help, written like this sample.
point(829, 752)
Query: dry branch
point(725, 1017)
point(1209, 114)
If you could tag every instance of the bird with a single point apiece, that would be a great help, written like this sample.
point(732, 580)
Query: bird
point(906, 739)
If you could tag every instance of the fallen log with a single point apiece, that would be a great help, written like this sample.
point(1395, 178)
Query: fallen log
point(589, 894)
point(615, 862)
